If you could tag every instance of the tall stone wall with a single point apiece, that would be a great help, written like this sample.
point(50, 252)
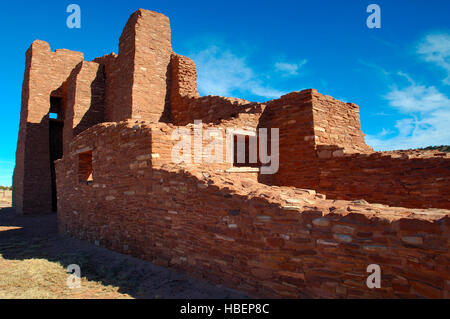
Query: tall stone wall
point(337, 123)
point(151, 66)
point(268, 241)
point(145, 50)
point(45, 71)
point(117, 89)
point(292, 115)
point(137, 79)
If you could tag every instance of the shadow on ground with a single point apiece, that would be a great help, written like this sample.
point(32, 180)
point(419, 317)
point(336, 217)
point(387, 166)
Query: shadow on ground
point(36, 237)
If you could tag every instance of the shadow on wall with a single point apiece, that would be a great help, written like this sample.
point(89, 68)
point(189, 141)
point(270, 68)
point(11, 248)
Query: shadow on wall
point(37, 195)
point(166, 116)
point(95, 113)
point(36, 238)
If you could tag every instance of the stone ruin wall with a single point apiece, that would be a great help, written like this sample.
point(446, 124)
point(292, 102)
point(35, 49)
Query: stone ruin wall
point(337, 123)
point(45, 71)
point(232, 230)
point(388, 179)
point(186, 105)
point(257, 233)
point(322, 148)
point(137, 76)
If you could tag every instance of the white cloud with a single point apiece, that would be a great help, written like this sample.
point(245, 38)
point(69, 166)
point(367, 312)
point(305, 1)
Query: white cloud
point(426, 109)
point(435, 48)
point(417, 98)
point(381, 114)
point(426, 123)
point(385, 132)
point(222, 72)
point(289, 69)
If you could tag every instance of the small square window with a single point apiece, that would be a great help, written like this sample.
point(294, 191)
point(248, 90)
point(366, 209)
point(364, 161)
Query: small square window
point(245, 151)
point(85, 170)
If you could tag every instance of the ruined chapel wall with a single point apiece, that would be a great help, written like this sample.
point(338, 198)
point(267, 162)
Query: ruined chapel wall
point(292, 115)
point(380, 178)
point(337, 123)
point(211, 109)
point(117, 89)
point(153, 50)
point(137, 78)
point(268, 241)
point(183, 77)
point(44, 74)
point(210, 153)
point(186, 105)
point(377, 178)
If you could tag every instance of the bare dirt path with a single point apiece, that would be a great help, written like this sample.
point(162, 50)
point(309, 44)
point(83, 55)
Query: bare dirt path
point(34, 258)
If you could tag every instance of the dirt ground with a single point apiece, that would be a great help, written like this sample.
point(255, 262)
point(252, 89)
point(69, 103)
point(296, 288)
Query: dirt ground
point(34, 259)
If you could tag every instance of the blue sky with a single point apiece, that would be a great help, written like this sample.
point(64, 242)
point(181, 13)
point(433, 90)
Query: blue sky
point(399, 75)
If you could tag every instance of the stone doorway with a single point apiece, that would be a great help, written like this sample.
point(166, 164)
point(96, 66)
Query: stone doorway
point(55, 125)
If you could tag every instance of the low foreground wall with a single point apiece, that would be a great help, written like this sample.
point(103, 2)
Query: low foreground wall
point(267, 241)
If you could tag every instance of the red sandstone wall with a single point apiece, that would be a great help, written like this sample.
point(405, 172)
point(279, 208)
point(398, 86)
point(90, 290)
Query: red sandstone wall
point(381, 178)
point(186, 106)
point(84, 100)
point(137, 78)
point(316, 134)
point(292, 115)
point(183, 78)
point(337, 123)
point(211, 109)
point(269, 241)
point(153, 50)
point(117, 91)
point(45, 71)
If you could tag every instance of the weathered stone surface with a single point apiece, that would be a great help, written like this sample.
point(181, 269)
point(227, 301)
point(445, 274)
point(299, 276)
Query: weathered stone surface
point(281, 243)
point(271, 235)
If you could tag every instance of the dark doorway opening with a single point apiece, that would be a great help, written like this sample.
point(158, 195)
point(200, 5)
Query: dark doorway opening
point(56, 125)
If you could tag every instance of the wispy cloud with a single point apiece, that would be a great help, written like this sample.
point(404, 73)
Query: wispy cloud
point(417, 98)
point(382, 71)
point(385, 132)
point(427, 114)
point(289, 69)
point(424, 109)
point(435, 48)
point(224, 72)
point(382, 114)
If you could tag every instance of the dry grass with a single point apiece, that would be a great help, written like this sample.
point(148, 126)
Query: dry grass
point(6, 196)
point(34, 259)
point(42, 279)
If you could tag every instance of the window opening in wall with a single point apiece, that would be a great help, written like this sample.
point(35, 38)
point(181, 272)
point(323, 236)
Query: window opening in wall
point(55, 108)
point(245, 151)
point(55, 127)
point(85, 168)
